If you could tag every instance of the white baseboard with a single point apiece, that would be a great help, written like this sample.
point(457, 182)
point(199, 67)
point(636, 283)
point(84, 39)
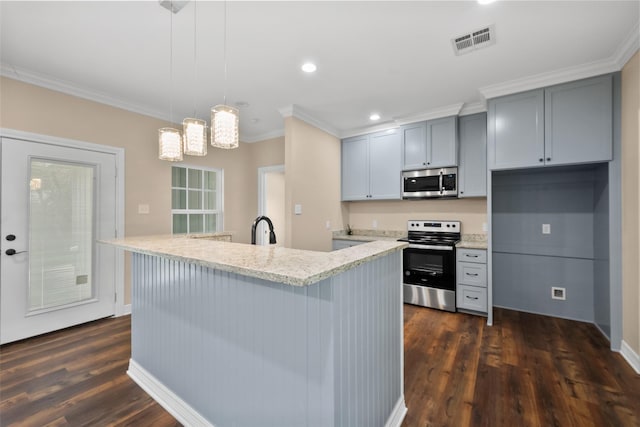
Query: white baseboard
point(126, 309)
point(177, 407)
point(630, 356)
point(399, 411)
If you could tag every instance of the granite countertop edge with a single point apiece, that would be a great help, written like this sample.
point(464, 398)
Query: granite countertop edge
point(260, 262)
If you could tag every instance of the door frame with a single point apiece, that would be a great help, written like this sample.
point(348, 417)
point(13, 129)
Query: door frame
point(262, 195)
point(120, 308)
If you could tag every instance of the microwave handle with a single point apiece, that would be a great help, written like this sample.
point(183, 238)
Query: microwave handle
point(440, 183)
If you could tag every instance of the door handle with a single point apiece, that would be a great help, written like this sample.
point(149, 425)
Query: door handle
point(11, 252)
point(10, 237)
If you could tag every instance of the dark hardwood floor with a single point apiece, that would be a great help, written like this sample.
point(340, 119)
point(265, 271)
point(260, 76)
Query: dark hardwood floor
point(526, 370)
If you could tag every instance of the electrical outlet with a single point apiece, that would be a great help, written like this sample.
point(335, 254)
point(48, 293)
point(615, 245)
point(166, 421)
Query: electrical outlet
point(143, 209)
point(297, 209)
point(546, 228)
point(558, 293)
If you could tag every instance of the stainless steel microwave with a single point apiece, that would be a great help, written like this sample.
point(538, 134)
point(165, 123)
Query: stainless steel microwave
point(427, 183)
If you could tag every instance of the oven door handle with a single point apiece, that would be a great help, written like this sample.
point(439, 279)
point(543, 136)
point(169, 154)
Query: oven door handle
point(433, 247)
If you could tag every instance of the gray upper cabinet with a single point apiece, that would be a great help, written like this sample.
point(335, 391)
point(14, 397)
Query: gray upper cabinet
point(515, 130)
point(430, 144)
point(564, 124)
point(578, 121)
point(442, 142)
point(414, 145)
point(371, 166)
point(355, 168)
point(472, 167)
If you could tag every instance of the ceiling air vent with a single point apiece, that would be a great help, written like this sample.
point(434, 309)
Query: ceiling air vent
point(474, 40)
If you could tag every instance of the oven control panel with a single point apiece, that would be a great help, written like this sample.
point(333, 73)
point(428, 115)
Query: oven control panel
point(434, 226)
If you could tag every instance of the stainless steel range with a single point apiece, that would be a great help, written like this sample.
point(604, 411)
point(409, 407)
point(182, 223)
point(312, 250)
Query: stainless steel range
point(429, 264)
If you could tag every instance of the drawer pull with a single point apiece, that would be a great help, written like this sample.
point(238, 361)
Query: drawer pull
point(471, 256)
point(471, 297)
point(471, 274)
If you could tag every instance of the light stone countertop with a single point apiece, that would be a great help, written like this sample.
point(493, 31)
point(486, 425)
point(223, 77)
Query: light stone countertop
point(473, 241)
point(369, 235)
point(277, 264)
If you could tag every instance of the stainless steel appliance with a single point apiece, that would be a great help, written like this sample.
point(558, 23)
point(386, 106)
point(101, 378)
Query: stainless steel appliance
point(429, 264)
point(427, 183)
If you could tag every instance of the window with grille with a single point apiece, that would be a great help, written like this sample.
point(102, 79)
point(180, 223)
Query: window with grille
point(196, 200)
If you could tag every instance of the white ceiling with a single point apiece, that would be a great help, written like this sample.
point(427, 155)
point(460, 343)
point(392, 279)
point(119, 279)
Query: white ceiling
point(390, 57)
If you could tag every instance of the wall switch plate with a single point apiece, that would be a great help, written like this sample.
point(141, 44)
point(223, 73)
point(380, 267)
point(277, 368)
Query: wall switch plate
point(328, 225)
point(484, 226)
point(297, 209)
point(374, 223)
point(546, 228)
point(143, 209)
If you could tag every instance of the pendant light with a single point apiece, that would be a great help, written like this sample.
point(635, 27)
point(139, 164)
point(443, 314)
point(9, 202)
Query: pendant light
point(224, 119)
point(169, 139)
point(194, 129)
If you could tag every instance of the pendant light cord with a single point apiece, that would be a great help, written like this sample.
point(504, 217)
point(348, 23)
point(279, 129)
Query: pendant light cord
point(195, 59)
point(224, 52)
point(171, 63)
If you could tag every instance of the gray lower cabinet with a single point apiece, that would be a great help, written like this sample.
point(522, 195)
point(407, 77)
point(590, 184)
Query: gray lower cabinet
point(565, 124)
point(471, 278)
point(371, 166)
point(430, 144)
point(345, 243)
point(472, 165)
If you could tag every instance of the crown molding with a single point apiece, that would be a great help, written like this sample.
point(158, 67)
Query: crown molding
point(377, 128)
point(473, 108)
point(294, 110)
point(263, 136)
point(629, 47)
point(62, 86)
point(436, 113)
point(613, 63)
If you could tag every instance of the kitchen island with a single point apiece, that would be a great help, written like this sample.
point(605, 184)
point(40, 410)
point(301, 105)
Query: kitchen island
point(229, 334)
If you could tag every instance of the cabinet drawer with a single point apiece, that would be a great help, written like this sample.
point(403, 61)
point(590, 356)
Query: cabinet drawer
point(471, 298)
point(472, 274)
point(472, 255)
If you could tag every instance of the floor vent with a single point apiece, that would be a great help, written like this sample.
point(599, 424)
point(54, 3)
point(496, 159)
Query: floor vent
point(474, 40)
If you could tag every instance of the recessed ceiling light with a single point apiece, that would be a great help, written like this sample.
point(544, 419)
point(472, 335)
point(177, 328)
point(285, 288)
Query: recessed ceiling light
point(309, 67)
point(374, 117)
point(485, 1)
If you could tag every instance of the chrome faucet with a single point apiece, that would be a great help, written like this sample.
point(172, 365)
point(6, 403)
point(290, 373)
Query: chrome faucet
point(272, 234)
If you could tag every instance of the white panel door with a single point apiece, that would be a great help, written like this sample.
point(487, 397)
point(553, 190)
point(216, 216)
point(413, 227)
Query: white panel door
point(57, 202)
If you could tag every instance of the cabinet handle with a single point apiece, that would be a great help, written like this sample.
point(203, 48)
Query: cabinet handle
point(462, 192)
point(471, 297)
point(428, 163)
point(471, 274)
point(541, 159)
point(424, 164)
point(471, 256)
point(548, 159)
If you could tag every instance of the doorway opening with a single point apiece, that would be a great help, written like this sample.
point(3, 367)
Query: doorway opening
point(271, 202)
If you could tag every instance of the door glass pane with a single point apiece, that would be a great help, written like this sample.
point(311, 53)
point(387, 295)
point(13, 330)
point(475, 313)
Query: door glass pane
point(61, 205)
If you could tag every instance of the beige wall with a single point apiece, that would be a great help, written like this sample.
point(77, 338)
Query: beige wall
point(312, 179)
point(631, 202)
point(393, 215)
point(34, 109)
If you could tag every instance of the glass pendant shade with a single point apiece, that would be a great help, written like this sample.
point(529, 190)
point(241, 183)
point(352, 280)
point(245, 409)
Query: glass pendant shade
point(224, 126)
point(170, 144)
point(195, 137)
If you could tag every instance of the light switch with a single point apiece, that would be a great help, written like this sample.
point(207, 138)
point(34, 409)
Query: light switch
point(143, 209)
point(546, 228)
point(297, 209)
point(328, 225)
point(374, 223)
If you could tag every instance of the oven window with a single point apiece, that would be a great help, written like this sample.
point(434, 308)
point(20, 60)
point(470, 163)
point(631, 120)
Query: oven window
point(423, 183)
point(426, 262)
